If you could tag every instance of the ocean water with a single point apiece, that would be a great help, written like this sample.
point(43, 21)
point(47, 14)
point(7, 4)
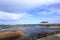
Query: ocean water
point(30, 30)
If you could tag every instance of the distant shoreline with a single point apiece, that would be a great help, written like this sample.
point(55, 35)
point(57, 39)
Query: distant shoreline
point(47, 25)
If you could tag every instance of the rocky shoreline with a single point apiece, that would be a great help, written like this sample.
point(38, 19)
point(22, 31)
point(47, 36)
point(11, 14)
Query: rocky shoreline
point(45, 36)
point(19, 35)
point(53, 37)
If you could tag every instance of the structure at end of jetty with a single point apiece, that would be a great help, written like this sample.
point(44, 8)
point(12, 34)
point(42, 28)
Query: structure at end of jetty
point(50, 25)
point(44, 23)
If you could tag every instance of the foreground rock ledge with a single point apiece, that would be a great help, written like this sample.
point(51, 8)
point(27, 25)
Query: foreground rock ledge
point(53, 37)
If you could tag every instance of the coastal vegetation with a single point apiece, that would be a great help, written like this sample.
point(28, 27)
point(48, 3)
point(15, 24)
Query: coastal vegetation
point(11, 35)
point(53, 26)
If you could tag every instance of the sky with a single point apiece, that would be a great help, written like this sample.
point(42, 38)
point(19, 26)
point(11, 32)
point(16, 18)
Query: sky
point(29, 11)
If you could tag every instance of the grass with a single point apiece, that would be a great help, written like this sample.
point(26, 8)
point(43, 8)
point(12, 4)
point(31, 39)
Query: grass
point(54, 27)
point(11, 35)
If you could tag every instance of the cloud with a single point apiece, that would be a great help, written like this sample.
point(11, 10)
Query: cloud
point(49, 10)
point(23, 5)
point(45, 13)
point(53, 19)
point(21, 9)
point(56, 18)
point(12, 16)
